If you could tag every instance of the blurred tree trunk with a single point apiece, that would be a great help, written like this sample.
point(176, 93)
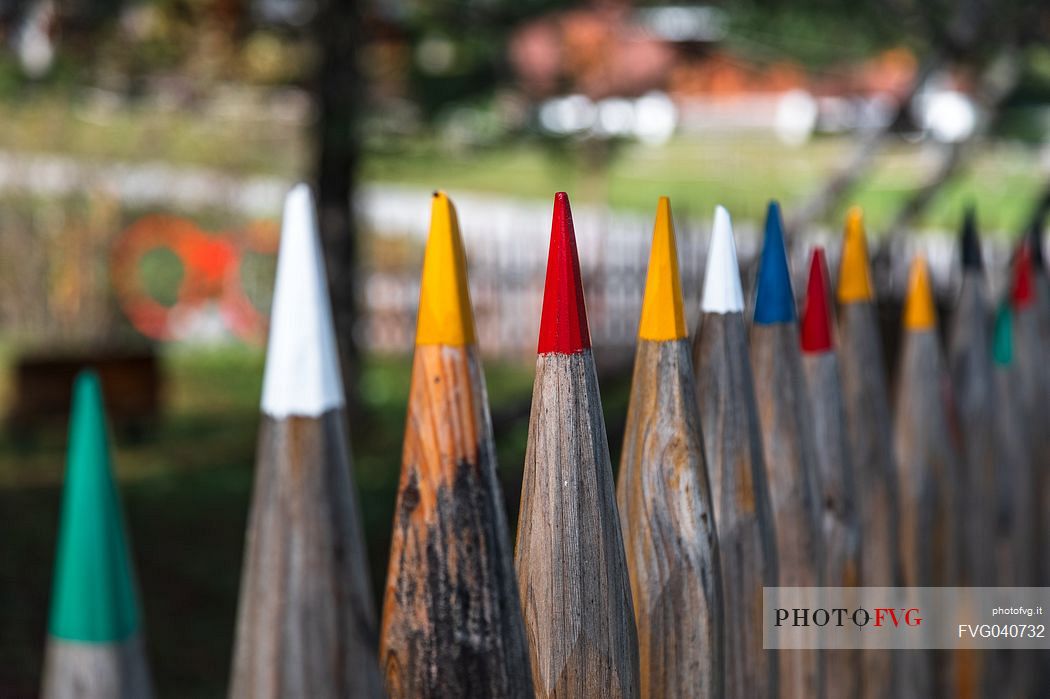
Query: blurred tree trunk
point(338, 94)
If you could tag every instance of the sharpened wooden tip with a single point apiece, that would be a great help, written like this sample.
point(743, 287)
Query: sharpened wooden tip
point(445, 315)
point(774, 299)
point(816, 312)
point(854, 272)
point(663, 317)
point(722, 292)
point(970, 242)
point(302, 375)
point(563, 323)
point(1023, 294)
point(1003, 336)
point(94, 599)
point(920, 313)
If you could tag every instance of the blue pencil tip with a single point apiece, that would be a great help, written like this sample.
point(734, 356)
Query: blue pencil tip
point(774, 302)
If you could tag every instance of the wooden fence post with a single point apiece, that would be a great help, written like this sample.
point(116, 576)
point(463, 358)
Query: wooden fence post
point(733, 452)
point(452, 624)
point(570, 560)
point(664, 497)
point(306, 620)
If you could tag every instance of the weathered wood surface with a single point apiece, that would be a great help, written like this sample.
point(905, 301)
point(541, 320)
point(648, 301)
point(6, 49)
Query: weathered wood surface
point(871, 451)
point(791, 470)
point(1042, 464)
point(452, 624)
point(306, 621)
point(740, 496)
point(840, 526)
point(1016, 550)
point(572, 572)
point(79, 670)
point(970, 363)
point(1031, 395)
point(669, 529)
point(926, 458)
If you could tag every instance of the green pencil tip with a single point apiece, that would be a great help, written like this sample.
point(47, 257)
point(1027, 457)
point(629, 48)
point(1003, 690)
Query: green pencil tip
point(1002, 336)
point(93, 597)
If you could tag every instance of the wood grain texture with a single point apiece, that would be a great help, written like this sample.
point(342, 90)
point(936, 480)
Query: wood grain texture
point(970, 363)
point(1042, 463)
point(77, 670)
point(926, 458)
point(740, 496)
point(840, 525)
point(306, 620)
point(452, 624)
point(669, 531)
point(791, 470)
point(1022, 419)
point(871, 451)
point(572, 572)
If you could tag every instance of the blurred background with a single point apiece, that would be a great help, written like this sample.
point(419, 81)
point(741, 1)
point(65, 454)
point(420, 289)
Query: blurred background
point(146, 145)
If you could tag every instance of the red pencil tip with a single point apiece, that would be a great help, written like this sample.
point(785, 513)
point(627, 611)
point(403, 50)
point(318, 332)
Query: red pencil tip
point(563, 324)
point(1024, 292)
point(816, 312)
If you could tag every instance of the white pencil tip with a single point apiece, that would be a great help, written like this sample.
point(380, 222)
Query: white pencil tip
point(302, 374)
point(722, 292)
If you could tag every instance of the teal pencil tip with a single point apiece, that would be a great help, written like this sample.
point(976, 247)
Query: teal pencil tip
point(1002, 335)
point(93, 597)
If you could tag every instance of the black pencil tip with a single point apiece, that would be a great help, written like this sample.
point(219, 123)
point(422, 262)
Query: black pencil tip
point(971, 243)
point(1035, 238)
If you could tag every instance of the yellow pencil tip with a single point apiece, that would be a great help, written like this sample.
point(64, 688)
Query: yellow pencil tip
point(920, 313)
point(663, 317)
point(445, 315)
point(854, 273)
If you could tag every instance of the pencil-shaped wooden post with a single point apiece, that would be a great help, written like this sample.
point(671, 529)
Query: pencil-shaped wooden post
point(306, 620)
point(1016, 551)
point(94, 642)
point(1026, 368)
point(1041, 523)
point(927, 458)
point(664, 497)
point(970, 362)
point(840, 526)
point(870, 436)
point(733, 451)
point(452, 624)
point(1031, 354)
point(570, 560)
point(788, 444)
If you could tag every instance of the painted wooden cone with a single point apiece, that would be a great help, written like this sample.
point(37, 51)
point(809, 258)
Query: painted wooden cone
point(870, 437)
point(736, 470)
point(788, 445)
point(664, 497)
point(306, 620)
point(840, 525)
point(570, 559)
point(94, 642)
point(1041, 287)
point(1016, 536)
point(970, 364)
point(452, 624)
point(926, 457)
point(1029, 365)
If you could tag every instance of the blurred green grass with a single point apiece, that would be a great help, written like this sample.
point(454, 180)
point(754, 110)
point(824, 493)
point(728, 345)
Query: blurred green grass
point(186, 489)
point(740, 170)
